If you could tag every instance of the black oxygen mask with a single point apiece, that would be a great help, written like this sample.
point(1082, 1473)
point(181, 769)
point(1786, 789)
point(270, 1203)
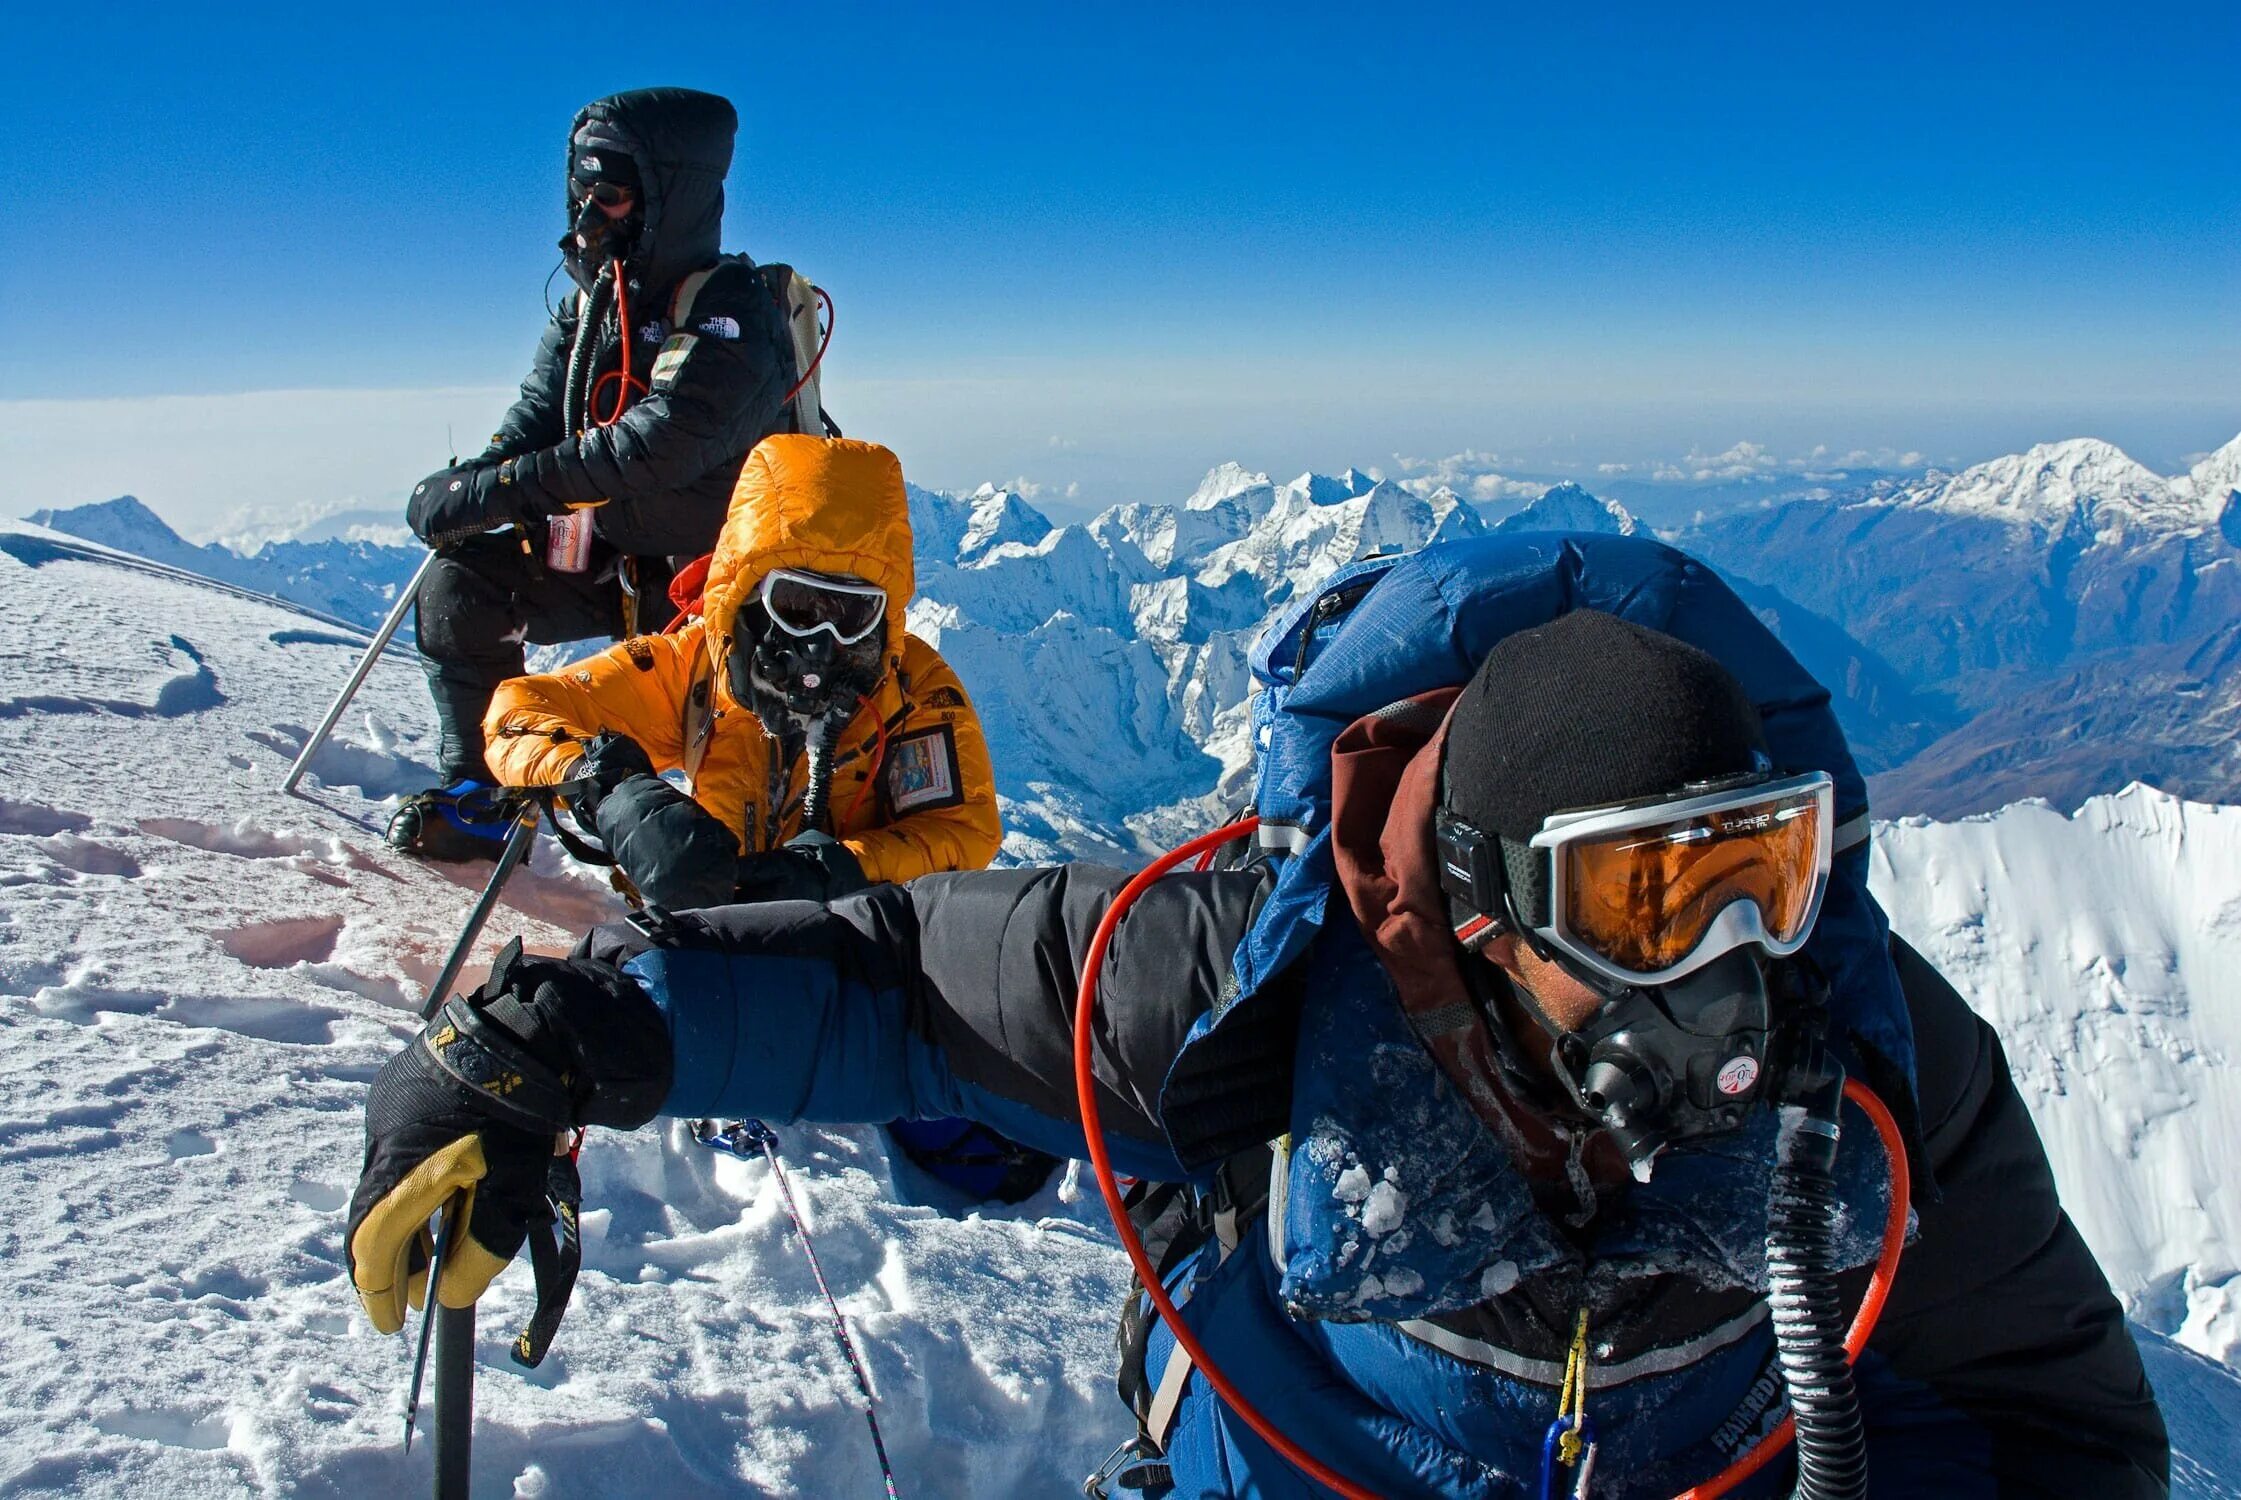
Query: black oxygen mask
point(793, 681)
point(1671, 1062)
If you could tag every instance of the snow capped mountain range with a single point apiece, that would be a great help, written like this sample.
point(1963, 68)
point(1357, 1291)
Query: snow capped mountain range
point(2086, 484)
point(2054, 623)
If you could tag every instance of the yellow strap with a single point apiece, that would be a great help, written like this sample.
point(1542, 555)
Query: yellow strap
point(1571, 1402)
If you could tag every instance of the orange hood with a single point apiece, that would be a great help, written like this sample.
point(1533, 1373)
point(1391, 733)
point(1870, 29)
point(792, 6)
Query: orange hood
point(829, 505)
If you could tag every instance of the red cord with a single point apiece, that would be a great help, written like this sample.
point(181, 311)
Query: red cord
point(1085, 1089)
point(1101, 1163)
point(624, 391)
point(826, 343)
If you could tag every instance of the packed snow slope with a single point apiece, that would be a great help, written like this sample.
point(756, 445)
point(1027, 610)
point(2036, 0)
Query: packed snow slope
point(2105, 947)
point(197, 979)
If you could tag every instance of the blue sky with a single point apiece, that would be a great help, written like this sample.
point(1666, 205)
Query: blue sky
point(1106, 248)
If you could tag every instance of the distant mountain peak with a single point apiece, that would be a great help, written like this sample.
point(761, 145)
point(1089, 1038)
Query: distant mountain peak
point(1571, 507)
point(1224, 481)
point(123, 523)
point(2212, 484)
point(2054, 486)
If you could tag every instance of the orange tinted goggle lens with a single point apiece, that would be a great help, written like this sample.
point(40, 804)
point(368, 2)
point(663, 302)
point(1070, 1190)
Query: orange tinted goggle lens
point(1645, 898)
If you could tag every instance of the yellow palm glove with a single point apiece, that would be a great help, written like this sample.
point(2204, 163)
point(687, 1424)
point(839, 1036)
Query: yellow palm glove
point(390, 1246)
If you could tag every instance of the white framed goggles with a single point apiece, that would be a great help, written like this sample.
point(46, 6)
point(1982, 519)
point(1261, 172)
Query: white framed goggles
point(802, 603)
point(1645, 893)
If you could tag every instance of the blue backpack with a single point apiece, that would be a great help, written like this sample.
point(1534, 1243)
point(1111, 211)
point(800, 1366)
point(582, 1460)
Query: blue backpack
point(1387, 629)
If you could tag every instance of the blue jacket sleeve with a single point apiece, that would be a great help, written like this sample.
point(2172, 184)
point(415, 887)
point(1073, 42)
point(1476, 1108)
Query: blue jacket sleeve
point(952, 996)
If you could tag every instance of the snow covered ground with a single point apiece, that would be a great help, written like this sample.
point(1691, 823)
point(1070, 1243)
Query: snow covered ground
point(198, 976)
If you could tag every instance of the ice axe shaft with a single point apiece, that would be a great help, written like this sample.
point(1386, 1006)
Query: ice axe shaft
point(358, 675)
point(455, 1400)
point(518, 844)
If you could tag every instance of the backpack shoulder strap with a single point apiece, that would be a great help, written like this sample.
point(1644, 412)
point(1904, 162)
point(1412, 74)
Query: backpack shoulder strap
point(688, 291)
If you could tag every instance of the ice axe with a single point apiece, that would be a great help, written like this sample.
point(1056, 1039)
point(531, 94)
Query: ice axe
point(381, 639)
point(453, 1328)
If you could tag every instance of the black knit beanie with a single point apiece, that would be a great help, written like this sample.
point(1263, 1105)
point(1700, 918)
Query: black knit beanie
point(1589, 710)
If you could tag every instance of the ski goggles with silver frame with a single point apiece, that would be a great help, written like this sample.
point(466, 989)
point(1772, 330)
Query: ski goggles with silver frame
point(802, 603)
point(1644, 893)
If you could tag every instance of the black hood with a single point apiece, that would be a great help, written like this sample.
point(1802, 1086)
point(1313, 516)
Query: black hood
point(681, 140)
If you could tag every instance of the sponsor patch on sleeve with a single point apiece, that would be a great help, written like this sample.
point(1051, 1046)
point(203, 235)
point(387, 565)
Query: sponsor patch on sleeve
point(667, 364)
point(921, 772)
point(720, 327)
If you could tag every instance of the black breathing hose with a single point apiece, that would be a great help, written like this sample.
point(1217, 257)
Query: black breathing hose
point(575, 395)
point(1801, 1269)
point(819, 791)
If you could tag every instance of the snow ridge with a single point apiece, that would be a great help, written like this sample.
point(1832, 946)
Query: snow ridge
point(2102, 947)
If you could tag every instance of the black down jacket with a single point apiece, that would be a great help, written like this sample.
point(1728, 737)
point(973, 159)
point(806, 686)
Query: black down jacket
point(711, 391)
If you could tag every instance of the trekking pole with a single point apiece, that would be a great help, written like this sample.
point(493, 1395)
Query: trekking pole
point(381, 640)
point(518, 844)
point(744, 1139)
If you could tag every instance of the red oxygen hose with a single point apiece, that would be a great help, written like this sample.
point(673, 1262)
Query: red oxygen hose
point(1085, 1089)
point(1101, 1163)
point(624, 391)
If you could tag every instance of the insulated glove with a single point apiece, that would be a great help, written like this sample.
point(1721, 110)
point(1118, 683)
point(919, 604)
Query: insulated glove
point(808, 867)
point(476, 1105)
point(670, 847)
point(451, 505)
point(609, 760)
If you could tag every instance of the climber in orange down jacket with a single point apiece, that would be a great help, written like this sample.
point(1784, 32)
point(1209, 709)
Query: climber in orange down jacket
point(823, 747)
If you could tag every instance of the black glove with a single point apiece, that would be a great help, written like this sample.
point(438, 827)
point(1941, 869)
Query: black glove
point(475, 1105)
point(671, 847)
point(608, 761)
point(809, 867)
point(451, 505)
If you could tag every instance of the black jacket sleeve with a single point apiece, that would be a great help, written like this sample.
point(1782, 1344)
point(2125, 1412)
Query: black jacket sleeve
point(710, 396)
point(952, 995)
point(1999, 1308)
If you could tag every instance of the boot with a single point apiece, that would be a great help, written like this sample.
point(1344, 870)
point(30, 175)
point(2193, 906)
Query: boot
point(459, 823)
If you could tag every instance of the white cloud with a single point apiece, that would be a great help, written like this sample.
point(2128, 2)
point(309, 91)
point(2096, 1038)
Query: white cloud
point(1614, 468)
point(1739, 462)
point(1469, 473)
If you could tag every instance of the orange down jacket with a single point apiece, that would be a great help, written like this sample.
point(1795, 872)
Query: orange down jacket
point(912, 790)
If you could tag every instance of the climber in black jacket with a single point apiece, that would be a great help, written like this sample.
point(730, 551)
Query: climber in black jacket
point(636, 418)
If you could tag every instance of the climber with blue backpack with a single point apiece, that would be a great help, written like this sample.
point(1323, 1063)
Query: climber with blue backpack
point(1526, 1115)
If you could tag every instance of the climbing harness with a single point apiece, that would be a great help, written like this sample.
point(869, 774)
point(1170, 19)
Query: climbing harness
point(748, 1139)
